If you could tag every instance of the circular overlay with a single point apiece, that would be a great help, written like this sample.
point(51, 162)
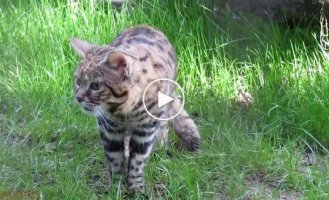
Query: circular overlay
point(172, 82)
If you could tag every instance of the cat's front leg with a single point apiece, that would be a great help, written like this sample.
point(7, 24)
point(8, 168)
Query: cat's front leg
point(113, 144)
point(139, 153)
point(141, 145)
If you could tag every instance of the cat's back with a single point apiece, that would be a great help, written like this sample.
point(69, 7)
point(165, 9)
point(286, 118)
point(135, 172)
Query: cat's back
point(142, 35)
point(150, 45)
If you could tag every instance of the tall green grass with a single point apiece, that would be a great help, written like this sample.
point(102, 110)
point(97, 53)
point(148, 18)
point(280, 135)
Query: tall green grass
point(49, 146)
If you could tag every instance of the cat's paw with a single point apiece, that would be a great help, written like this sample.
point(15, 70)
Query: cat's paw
point(134, 188)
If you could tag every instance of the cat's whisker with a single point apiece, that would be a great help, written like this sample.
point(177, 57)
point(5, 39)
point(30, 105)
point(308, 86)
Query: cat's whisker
point(103, 118)
point(108, 116)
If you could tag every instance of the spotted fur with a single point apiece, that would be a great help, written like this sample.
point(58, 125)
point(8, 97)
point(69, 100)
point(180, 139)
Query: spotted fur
point(109, 84)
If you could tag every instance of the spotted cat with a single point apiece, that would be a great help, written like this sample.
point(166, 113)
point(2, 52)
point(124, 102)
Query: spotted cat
point(109, 84)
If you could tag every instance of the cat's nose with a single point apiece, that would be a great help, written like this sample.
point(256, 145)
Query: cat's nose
point(79, 99)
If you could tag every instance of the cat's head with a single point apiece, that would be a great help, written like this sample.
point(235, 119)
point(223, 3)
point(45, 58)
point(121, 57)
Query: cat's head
point(103, 77)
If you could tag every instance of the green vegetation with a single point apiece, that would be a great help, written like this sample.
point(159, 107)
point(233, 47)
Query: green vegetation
point(47, 145)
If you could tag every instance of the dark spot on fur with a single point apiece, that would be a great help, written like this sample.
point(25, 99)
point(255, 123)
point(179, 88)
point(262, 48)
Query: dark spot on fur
point(159, 115)
point(144, 58)
point(141, 40)
point(140, 148)
point(137, 176)
point(112, 145)
point(151, 105)
point(160, 46)
point(142, 133)
point(144, 31)
point(144, 71)
point(171, 56)
point(116, 94)
point(138, 105)
point(110, 159)
point(139, 113)
point(150, 124)
point(132, 156)
point(117, 41)
point(165, 41)
point(157, 65)
point(139, 162)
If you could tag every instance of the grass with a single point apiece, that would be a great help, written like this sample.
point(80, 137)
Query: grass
point(48, 146)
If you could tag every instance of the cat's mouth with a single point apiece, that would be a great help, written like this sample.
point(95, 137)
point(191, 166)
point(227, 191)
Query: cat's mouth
point(88, 107)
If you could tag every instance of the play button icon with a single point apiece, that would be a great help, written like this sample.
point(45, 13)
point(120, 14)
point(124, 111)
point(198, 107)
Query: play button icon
point(163, 99)
point(167, 93)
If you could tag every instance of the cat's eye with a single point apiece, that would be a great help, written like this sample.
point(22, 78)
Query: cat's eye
point(78, 82)
point(95, 85)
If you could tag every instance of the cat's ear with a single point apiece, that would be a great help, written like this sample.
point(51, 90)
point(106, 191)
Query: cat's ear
point(81, 47)
point(119, 64)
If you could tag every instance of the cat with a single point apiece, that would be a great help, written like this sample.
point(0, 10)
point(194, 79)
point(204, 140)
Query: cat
point(109, 84)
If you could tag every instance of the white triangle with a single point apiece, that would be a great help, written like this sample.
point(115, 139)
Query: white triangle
point(163, 99)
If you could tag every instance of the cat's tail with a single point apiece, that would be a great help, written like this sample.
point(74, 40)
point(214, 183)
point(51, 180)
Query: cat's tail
point(185, 127)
